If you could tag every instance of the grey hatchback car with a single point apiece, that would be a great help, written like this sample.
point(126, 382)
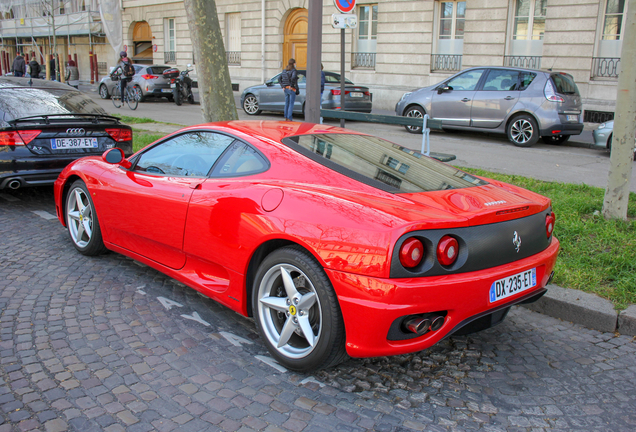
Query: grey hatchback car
point(524, 104)
point(148, 81)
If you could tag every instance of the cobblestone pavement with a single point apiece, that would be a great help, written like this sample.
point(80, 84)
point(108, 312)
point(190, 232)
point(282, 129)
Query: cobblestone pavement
point(107, 344)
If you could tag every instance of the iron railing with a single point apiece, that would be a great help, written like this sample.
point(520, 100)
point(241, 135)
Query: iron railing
point(529, 62)
point(102, 68)
point(170, 57)
point(233, 57)
point(597, 116)
point(605, 67)
point(363, 60)
point(446, 62)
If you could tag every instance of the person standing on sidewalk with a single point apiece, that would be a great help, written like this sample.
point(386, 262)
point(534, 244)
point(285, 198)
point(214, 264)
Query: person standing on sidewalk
point(19, 66)
point(289, 83)
point(72, 74)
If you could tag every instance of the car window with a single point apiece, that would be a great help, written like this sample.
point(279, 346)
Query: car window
point(466, 81)
point(240, 159)
point(32, 101)
point(501, 80)
point(333, 78)
point(526, 79)
point(188, 155)
point(301, 78)
point(138, 68)
point(157, 70)
point(564, 83)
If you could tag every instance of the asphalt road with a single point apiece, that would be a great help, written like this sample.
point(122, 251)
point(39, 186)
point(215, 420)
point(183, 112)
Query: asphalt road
point(572, 162)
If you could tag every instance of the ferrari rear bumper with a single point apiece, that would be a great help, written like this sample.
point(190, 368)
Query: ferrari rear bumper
point(371, 306)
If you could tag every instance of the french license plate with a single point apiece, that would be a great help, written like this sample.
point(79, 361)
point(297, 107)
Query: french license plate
point(73, 143)
point(166, 91)
point(356, 94)
point(573, 118)
point(512, 285)
point(173, 85)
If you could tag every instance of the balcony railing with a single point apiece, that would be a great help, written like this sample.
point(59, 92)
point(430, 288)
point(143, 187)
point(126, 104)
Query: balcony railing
point(233, 57)
point(169, 56)
point(363, 60)
point(446, 62)
point(605, 67)
point(529, 62)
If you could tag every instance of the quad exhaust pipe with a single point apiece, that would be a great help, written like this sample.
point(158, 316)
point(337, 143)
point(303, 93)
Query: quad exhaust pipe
point(424, 323)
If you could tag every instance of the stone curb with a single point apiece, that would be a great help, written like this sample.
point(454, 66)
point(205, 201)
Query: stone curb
point(586, 309)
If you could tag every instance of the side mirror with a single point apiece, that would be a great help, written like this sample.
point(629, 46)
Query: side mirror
point(269, 83)
point(443, 89)
point(115, 156)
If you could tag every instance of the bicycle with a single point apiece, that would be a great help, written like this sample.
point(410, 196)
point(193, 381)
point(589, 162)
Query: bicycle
point(131, 98)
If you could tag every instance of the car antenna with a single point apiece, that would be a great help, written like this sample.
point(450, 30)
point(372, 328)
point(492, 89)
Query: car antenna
point(550, 68)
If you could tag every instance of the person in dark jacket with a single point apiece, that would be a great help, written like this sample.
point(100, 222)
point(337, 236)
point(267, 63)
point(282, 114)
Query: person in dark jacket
point(72, 74)
point(289, 82)
point(19, 66)
point(322, 86)
point(34, 68)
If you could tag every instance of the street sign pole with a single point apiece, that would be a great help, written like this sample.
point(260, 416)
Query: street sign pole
point(314, 49)
point(342, 22)
point(342, 74)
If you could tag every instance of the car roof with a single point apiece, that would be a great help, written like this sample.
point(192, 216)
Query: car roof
point(515, 68)
point(14, 82)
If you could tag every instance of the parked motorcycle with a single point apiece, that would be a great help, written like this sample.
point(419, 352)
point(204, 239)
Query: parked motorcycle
point(181, 84)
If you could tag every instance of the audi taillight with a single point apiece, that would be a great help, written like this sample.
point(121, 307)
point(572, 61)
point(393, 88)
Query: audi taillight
point(411, 252)
point(148, 76)
point(549, 224)
point(120, 135)
point(335, 92)
point(447, 250)
point(14, 138)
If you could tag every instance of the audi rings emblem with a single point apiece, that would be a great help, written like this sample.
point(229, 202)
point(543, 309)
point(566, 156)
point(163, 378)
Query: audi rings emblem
point(76, 131)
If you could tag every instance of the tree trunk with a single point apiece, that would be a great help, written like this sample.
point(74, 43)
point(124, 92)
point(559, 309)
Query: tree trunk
point(620, 173)
point(215, 86)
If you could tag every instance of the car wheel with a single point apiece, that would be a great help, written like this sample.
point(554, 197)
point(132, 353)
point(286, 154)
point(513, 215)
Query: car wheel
point(250, 105)
point(523, 131)
point(555, 139)
point(297, 312)
point(414, 112)
point(138, 93)
point(609, 143)
point(82, 222)
point(103, 92)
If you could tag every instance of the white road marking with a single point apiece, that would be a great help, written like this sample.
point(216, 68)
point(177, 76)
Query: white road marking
point(196, 317)
point(167, 303)
point(44, 215)
point(312, 380)
point(271, 362)
point(235, 340)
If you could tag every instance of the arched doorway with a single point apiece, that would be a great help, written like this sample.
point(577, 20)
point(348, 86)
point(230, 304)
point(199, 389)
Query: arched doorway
point(295, 45)
point(142, 43)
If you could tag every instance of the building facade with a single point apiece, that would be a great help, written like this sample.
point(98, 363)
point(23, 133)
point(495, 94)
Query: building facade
point(399, 45)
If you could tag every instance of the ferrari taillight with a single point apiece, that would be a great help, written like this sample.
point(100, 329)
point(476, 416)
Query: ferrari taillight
point(447, 250)
point(411, 252)
point(13, 138)
point(120, 135)
point(549, 224)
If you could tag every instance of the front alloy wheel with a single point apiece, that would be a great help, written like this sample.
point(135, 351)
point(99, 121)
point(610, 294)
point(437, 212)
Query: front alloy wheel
point(250, 105)
point(418, 113)
point(103, 92)
point(297, 312)
point(81, 221)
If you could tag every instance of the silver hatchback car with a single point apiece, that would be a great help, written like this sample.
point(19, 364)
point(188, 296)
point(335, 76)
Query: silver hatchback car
point(147, 82)
point(525, 104)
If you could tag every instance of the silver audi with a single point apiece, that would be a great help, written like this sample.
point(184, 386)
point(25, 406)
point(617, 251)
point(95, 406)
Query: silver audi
point(524, 104)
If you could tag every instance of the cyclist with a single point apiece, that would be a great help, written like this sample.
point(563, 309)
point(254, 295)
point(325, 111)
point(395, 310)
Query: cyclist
point(125, 70)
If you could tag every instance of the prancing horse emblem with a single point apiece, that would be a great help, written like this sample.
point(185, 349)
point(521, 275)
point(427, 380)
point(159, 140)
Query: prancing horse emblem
point(516, 240)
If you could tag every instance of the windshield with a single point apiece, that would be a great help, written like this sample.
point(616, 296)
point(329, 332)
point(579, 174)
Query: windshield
point(380, 163)
point(24, 102)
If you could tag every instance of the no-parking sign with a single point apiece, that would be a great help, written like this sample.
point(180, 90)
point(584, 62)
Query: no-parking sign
point(345, 6)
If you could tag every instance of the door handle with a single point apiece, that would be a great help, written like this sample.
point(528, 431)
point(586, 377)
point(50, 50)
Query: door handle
point(508, 98)
point(465, 100)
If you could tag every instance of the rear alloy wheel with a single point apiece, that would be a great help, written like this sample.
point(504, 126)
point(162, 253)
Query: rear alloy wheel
point(138, 93)
point(523, 131)
point(555, 139)
point(103, 92)
point(414, 112)
point(250, 105)
point(81, 221)
point(297, 312)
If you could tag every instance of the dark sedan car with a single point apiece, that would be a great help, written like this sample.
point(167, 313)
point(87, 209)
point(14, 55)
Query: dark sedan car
point(45, 125)
point(270, 96)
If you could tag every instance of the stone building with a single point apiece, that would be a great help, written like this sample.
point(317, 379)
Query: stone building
point(399, 45)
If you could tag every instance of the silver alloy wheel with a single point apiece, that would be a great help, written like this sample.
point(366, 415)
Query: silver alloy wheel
point(103, 92)
point(250, 105)
point(289, 311)
point(521, 131)
point(414, 113)
point(79, 217)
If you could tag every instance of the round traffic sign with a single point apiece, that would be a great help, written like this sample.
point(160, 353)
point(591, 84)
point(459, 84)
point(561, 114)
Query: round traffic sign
point(345, 6)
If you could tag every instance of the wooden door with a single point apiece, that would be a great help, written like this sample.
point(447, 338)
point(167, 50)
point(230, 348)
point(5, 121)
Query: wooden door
point(295, 45)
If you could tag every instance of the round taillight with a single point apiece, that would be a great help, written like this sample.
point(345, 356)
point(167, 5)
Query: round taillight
point(447, 250)
point(411, 252)
point(549, 224)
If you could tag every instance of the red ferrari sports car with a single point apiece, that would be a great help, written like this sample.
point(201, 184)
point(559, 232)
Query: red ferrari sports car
point(336, 242)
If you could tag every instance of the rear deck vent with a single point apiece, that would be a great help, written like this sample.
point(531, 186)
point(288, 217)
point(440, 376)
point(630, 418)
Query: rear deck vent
point(516, 210)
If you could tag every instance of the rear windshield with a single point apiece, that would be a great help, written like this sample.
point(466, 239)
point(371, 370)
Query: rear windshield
point(23, 102)
point(564, 84)
point(157, 70)
point(380, 163)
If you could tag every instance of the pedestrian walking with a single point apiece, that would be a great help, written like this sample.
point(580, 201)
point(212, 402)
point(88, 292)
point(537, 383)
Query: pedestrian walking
point(289, 82)
point(72, 74)
point(322, 86)
point(34, 68)
point(19, 66)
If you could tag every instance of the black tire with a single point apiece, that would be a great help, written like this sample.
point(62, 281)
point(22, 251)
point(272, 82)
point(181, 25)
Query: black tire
point(103, 92)
point(555, 139)
point(250, 105)
point(523, 131)
point(177, 95)
point(306, 304)
point(81, 221)
point(190, 97)
point(415, 112)
point(139, 93)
